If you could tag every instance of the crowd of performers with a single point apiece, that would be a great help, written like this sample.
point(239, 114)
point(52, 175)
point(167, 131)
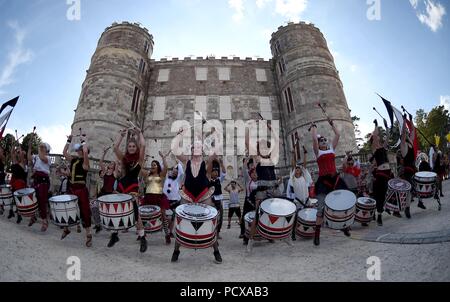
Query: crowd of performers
point(200, 179)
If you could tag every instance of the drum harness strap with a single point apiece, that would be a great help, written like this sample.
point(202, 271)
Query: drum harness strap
point(301, 202)
point(329, 184)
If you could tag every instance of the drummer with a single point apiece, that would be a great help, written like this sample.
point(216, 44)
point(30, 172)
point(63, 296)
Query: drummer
point(196, 183)
point(79, 168)
point(351, 171)
point(328, 180)
point(154, 194)
point(298, 186)
point(19, 173)
point(171, 189)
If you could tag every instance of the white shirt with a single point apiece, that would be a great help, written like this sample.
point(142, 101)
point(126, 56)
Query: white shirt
point(40, 166)
point(299, 187)
point(173, 185)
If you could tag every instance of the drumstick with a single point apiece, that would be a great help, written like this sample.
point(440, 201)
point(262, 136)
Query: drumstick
point(131, 123)
point(17, 136)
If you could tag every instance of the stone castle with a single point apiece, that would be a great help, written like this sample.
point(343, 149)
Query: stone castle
point(124, 83)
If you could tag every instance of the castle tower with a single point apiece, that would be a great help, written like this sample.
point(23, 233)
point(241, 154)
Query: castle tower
point(115, 88)
point(306, 75)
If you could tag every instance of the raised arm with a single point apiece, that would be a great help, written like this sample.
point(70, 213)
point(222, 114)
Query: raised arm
point(183, 158)
point(180, 171)
point(30, 144)
point(102, 160)
point(337, 135)
point(164, 169)
point(404, 145)
point(117, 151)
point(43, 156)
point(85, 157)
point(66, 149)
point(305, 153)
point(314, 139)
point(141, 147)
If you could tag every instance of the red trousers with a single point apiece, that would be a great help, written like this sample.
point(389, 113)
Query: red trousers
point(42, 185)
point(82, 193)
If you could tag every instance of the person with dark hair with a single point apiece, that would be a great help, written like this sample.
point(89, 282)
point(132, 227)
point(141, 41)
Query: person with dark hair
point(79, 168)
point(132, 162)
point(234, 207)
point(154, 194)
point(217, 177)
point(248, 207)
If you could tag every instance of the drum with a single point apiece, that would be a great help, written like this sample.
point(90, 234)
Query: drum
point(151, 218)
point(116, 211)
point(365, 209)
point(306, 223)
point(340, 209)
point(6, 197)
point(64, 210)
point(425, 184)
point(398, 196)
point(276, 218)
point(26, 202)
point(249, 217)
point(313, 202)
point(195, 225)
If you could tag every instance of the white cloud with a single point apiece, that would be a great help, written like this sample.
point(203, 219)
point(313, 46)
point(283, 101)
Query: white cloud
point(16, 57)
point(433, 16)
point(291, 9)
point(414, 3)
point(445, 101)
point(262, 3)
point(354, 68)
point(238, 7)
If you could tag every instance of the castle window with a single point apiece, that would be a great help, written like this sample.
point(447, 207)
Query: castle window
point(201, 105)
point(261, 75)
point(282, 66)
point(223, 73)
point(277, 47)
point(136, 98)
point(296, 145)
point(159, 109)
point(265, 107)
point(142, 66)
point(225, 107)
point(201, 73)
point(163, 75)
point(289, 100)
point(146, 46)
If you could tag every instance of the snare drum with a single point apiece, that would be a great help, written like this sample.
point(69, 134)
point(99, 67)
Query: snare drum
point(116, 211)
point(276, 218)
point(195, 225)
point(306, 223)
point(340, 209)
point(249, 218)
point(425, 184)
point(365, 209)
point(151, 218)
point(26, 202)
point(398, 196)
point(6, 197)
point(64, 210)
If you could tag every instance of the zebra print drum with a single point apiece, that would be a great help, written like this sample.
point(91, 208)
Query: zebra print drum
point(249, 218)
point(276, 218)
point(151, 218)
point(306, 223)
point(64, 210)
point(116, 211)
point(26, 202)
point(365, 209)
point(425, 184)
point(398, 196)
point(340, 209)
point(6, 197)
point(195, 225)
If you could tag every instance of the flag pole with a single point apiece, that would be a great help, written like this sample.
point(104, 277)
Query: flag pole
point(418, 130)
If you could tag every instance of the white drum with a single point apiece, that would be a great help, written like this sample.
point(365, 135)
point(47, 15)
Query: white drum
point(151, 218)
point(276, 218)
point(398, 196)
point(64, 210)
point(116, 211)
point(425, 184)
point(249, 218)
point(340, 209)
point(26, 202)
point(306, 223)
point(195, 225)
point(6, 197)
point(365, 209)
point(313, 202)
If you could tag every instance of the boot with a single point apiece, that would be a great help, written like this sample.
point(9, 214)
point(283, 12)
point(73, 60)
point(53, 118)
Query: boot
point(407, 213)
point(317, 236)
point(217, 257)
point(421, 205)
point(380, 220)
point(143, 244)
point(175, 256)
point(19, 218)
point(97, 229)
point(11, 215)
point(346, 232)
point(114, 239)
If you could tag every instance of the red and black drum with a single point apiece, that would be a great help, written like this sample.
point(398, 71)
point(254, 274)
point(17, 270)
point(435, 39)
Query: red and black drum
point(425, 184)
point(116, 211)
point(26, 202)
point(276, 218)
point(6, 197)
point(398, 196)
point(340, 209)
point(195, 225)
point(306, 223)
point(365, 209)
point(151, 218)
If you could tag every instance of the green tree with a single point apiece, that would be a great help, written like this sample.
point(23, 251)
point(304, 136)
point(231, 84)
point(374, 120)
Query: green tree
point(26, 141)
point(438, 121)
point(355, 120)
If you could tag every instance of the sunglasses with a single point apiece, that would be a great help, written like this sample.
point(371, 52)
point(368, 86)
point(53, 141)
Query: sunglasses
point(322, 140)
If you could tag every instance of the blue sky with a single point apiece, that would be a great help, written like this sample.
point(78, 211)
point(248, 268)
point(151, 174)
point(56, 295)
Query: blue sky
point(405, 55)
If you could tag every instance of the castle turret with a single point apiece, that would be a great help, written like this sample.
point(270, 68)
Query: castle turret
point(306, 75)
point(115, 88)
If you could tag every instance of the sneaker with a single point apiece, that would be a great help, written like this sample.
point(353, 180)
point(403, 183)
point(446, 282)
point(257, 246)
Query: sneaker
point(143, 245)
point(379, 220)
point(114, 239)
point(217, 257)
point(421, 205)
point(168, 241)
point(175, 256)
point(407, 213)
